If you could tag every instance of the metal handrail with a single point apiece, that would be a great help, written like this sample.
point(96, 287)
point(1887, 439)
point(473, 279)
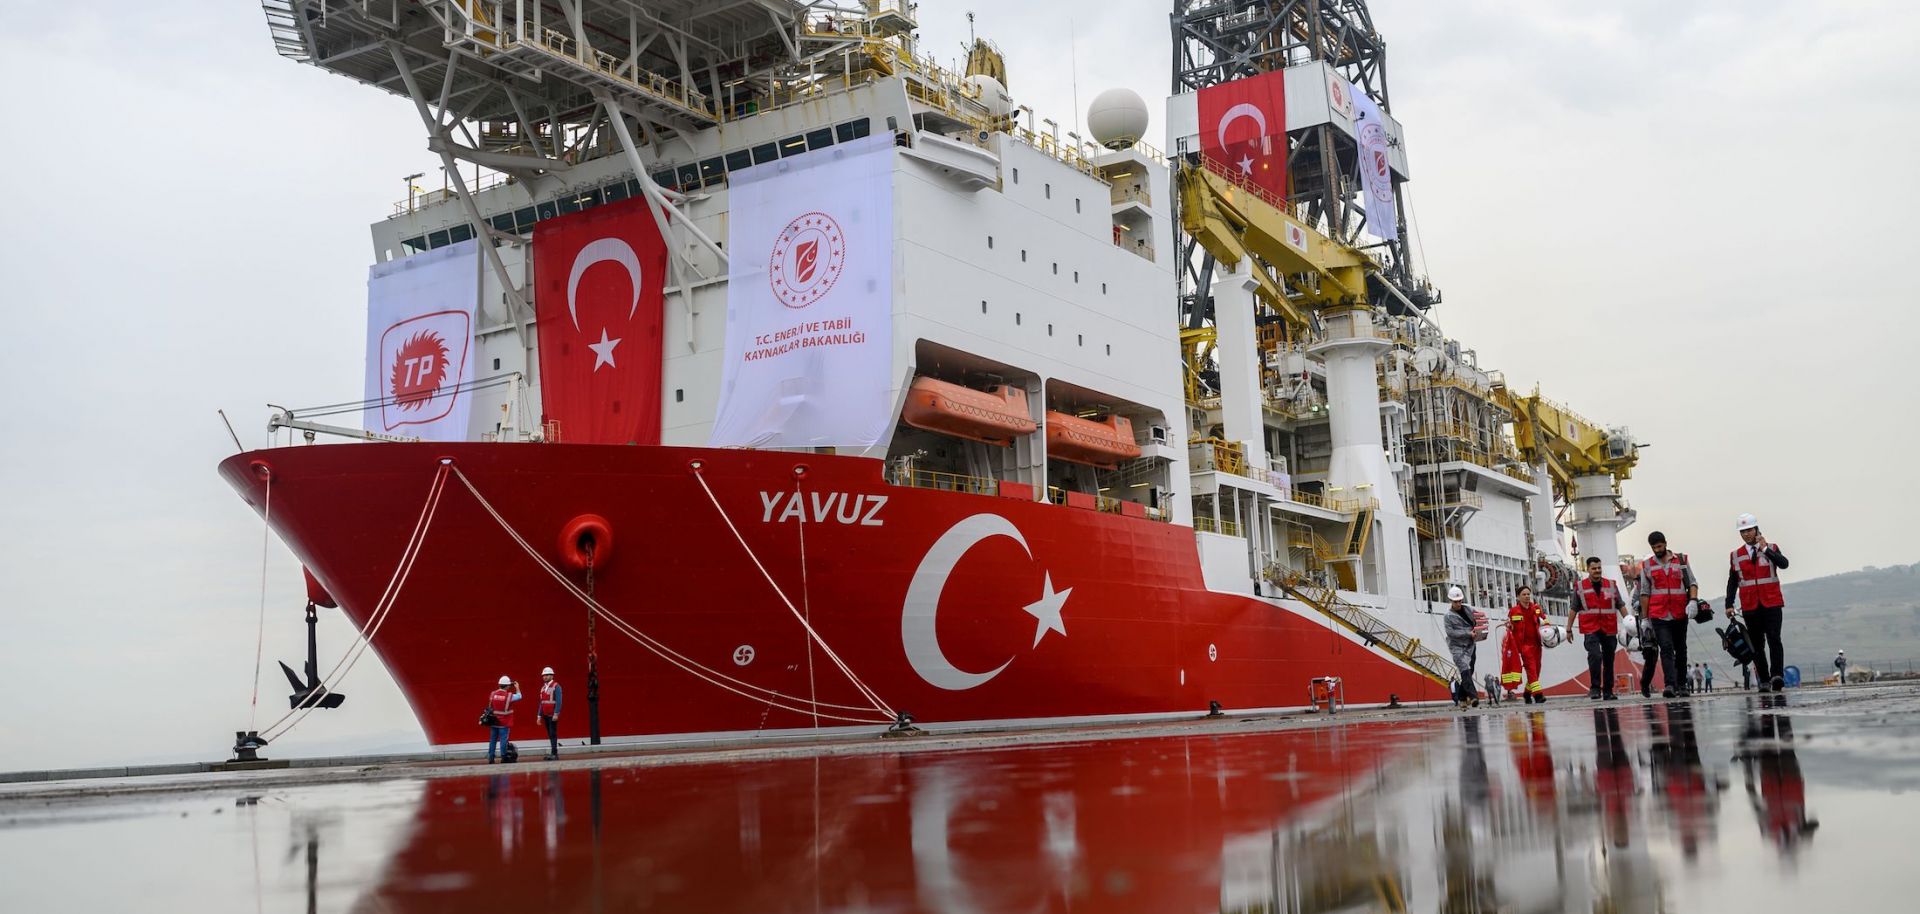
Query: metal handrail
point(943, 481)
point(1216, 525)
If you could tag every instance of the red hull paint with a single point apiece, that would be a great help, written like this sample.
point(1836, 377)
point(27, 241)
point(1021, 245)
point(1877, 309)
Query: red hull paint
point(1143, 635)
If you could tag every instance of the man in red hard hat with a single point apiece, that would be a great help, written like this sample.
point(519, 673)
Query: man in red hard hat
point(1753, 575)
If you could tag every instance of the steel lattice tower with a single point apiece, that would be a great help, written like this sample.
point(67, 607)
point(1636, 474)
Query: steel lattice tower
point(1216, 41)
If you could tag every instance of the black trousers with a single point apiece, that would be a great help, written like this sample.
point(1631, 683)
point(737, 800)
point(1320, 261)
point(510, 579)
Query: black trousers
point(1649, 661)
point(1763, 629)
point(1600, 648)
point(553, 736)
point(1672, 635)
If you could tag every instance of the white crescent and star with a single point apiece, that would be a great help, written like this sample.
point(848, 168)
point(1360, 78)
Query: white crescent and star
point(604, 250)
point(919, 615)
point(1244, 109)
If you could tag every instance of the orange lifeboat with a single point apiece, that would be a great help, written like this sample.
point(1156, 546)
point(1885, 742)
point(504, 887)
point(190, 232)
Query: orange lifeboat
point(996, 415)
point(1099, 444)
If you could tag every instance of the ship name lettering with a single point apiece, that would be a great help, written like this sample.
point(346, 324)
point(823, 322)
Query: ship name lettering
point(820, 507)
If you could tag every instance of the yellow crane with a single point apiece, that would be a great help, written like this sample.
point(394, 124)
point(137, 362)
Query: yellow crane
point(1235, 219)
point(1571, 446)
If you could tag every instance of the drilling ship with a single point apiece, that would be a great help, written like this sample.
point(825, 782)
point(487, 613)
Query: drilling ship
point(767, 375)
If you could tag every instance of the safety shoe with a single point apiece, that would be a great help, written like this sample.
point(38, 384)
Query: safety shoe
point(1666, 693)
point(1593, 694)
point(1610, 696)
point(549, 757)
point(1779, 685)
point(1648, 693)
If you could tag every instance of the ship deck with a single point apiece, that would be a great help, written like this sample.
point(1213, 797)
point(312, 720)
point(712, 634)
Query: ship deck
point(1710, 803)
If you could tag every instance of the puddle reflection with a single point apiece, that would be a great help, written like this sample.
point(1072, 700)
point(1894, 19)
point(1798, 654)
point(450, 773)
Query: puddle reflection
point(1572, 809)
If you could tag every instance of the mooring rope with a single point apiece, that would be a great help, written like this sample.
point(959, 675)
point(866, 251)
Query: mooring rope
point(716, 678)
point(388, 598)
point(260, 631)
point(822, 642)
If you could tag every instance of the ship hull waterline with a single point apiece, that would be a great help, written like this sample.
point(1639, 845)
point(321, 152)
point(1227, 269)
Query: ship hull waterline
point(954, 607)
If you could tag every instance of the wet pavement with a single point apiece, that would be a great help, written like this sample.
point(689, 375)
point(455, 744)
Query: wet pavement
point(1735, 802)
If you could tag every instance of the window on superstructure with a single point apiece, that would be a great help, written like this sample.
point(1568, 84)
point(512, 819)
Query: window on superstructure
point(1076, 276)
point(1016, 176)
point(679, 393)
point(989, 242)
point(502, 222)
point(1047, 190)
point(1109, 348)
point(568, 204)
point(437, 239)
point(713, 171)
point(544, 211)
point(1080, 339)
point(1016, 318)
point(496, 364)
point(1103, 288)
point(1076, 204)
point(983, 306)
point(793, 146)
point(1049, 329)
point(415, 245)
point(689, 176)
point(738, 159)
point(615, 192)
point(820, 139)
point(766, 152)
point(1056, 268)
point(459, 233)
point(523, 219)
point(843, 132)
point(665, 179)
point(1023, 255)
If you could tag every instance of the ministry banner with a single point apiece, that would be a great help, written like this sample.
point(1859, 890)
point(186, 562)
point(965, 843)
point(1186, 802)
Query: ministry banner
point(810, 301)
point(1376, 170)
point(599, 278)
point(419, 343)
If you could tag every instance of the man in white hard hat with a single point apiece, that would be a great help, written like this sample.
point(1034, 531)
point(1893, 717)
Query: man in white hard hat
point(1840, 666)
point(1753, 575)
point(500, 703)
point(1459, 625)
point(550, 711)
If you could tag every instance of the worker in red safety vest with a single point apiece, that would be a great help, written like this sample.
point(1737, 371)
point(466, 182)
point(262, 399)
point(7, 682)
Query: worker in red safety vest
point(1523, 626)
point(1753, 574)
point(1597, 606)
point(501, 704)
point(550, 711)
point(1667, 591)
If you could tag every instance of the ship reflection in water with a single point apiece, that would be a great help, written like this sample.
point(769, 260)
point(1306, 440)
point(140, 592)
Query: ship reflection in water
point(1741, 802)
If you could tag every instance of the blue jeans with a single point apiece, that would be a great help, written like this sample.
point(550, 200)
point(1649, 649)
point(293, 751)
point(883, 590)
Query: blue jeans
point(497, 739)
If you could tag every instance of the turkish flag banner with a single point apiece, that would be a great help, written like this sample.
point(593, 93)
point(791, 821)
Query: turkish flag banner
point(1243, 129)
point(599, 285)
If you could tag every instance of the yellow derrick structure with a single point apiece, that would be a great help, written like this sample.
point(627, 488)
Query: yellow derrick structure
point(1571, 446)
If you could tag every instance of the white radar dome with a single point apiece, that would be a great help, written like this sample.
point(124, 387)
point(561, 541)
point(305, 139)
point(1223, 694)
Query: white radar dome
point(993, 95)
point(1117, 118)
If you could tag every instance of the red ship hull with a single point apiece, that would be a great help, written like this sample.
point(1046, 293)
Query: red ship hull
point(1044, 612)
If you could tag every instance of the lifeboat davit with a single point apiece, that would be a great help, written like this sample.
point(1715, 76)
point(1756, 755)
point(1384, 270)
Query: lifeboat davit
point(1103, 444)
point(996, 415)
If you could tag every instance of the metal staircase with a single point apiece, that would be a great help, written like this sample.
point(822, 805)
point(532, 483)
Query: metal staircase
point(1370, 628)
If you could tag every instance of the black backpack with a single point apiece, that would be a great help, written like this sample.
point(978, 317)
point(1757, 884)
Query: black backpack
point(1734, 639)
point(510, 754)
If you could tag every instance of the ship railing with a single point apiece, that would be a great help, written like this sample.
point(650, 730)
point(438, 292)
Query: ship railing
point(648, 84)
point(943, 481)
point(1131, 194)
point(1449, 502)
point(486, 180)
point(1216, 525)
point(1223, 455)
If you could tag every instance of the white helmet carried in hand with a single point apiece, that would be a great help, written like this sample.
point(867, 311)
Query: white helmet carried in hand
point(1629, 632)
point(1746, 522)
point(506, 680)
point(1549, 636)
point(546, 671)
point(1455, 593)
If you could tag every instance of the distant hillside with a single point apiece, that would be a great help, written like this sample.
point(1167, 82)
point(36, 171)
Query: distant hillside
point(1873, 613)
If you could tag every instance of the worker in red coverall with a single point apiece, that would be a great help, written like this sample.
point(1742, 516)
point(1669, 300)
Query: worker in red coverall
point(1510, 672)
point(1524, 620)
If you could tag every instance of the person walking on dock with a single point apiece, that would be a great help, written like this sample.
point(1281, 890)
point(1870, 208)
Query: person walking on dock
point(500, 703)
point(549, 712)
point(1706, 672)
point(1598, 605)
point(1840, 666)
point(1460, 642)
point(1523, 625)
point(1667, 590)
point(1753, 574)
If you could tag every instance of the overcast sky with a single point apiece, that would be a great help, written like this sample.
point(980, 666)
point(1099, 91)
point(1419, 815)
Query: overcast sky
point(1691, 219)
